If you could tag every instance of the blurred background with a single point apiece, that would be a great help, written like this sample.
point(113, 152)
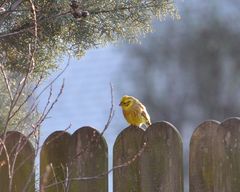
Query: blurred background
point(185, 72)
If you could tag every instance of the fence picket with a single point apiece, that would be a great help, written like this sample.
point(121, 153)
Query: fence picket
point(89, 161)
point(20, 150)
point(202, 151)
point(162, 160)
point(54, 159)
point(227, 157)
point(126, 175)
point(150, 160)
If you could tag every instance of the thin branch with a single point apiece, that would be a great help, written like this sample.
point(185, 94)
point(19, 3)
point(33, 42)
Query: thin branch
point(93, 138)
point(54, 175)
point(30, 111)
point(35, 21)
point(13, 7)
point(29, 28)
point(111, 113)
point(2, 143)
point(56, 78)
point(99, 176)
point(3, 3)
point(14, 109)
point(19, 147)
point(40, 147)
point(20, 88)
point(28, 97)
point(47, 110)
point(35, 105)
point(6, 81)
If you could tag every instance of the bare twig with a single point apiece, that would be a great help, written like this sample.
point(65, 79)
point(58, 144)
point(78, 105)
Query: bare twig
point(93, 138)
point(111, 113)
point(99, 176)
point(35, 21)
point(13, 7)
point(56, 78)
point(19, 91)
point(47, 110)
point(31, 27)
point(28, 97)
point(6, 81)
point(3, 147)
point(19, 147)
point(54, 175)
point(15, 93)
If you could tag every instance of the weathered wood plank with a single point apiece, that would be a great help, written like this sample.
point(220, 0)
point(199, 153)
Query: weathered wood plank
point(127, 177)
point(89, 161)
point(227, 157)
point(21, 160)
point(162, 160)
point(202, 151)
point(54, 159)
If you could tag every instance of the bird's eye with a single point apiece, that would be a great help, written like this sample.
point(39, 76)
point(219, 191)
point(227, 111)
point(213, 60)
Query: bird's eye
point(127, 103)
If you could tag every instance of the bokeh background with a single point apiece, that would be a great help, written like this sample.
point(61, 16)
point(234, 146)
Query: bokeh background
point(185, 72)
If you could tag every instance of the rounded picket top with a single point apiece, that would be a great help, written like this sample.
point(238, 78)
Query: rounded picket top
point(54, 160)
point(204, 130)
point(134, 131)
point(227, 156)
point(202, 151)
point(21, 157)
point(128, 146)
point(162, 160)
point(89, 161)
point(162, 127)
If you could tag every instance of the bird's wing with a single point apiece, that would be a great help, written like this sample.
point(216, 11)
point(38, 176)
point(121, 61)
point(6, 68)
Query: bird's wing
point(146, 117)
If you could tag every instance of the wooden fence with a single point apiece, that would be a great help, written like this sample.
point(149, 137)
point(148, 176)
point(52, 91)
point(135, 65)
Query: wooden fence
point(143, 161)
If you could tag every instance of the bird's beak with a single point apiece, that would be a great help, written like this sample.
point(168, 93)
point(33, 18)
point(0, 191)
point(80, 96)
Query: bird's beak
point(120, 104)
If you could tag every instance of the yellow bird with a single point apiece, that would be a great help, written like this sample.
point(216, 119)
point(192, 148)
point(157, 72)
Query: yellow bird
point(134, 111)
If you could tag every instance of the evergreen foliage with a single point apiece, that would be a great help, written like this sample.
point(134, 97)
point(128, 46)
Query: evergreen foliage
point(62, 26)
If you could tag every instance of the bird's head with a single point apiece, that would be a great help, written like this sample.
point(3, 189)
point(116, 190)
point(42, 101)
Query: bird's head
point(127, 102)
